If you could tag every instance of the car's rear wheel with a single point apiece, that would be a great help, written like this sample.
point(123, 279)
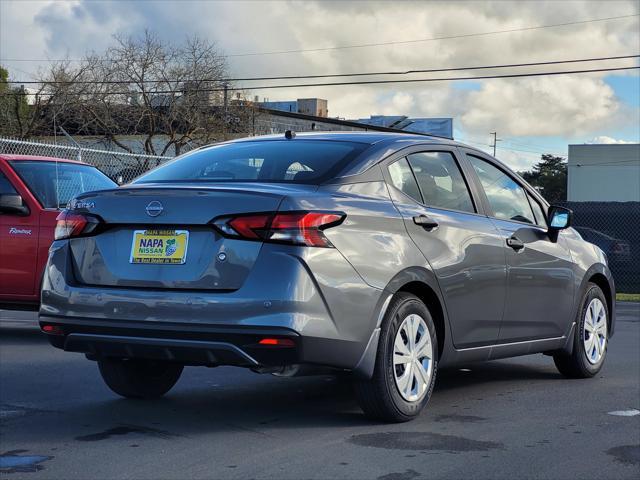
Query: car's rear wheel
point(406, 363)
point(590, 337)
point(139, 378)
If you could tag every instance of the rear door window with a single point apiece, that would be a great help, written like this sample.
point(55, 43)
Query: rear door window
point(507, 198)
point(441, 181)
point(402, 178)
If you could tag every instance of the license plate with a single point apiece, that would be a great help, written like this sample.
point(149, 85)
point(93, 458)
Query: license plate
point(159, 246)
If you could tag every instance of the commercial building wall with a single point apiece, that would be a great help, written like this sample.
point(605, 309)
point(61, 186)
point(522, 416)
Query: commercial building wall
point(604, 173)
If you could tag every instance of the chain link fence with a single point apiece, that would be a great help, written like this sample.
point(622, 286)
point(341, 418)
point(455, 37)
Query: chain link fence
point(615, 228)
point(122, 167)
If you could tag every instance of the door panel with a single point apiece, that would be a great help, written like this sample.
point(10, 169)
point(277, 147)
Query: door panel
point(465, 252)
point(539, 268)
point(18, 248)
point(540, 285)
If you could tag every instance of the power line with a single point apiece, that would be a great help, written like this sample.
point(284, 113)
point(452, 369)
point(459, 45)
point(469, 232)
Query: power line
point(621, 163)
point(430, 39)
point(356, 74)
point(531, 145)
point(366, 82)
point(541, 152)
point(502, 147)
point(378, 44)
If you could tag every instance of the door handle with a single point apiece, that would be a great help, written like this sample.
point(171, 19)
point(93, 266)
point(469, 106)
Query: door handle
point(515, 243)
point(425, 222)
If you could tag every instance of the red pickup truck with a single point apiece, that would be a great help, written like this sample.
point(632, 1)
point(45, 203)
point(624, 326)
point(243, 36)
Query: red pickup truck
point(33, 190)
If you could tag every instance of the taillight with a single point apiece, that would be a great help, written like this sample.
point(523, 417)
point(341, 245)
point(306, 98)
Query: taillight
point(73, 225)
point(295, 228)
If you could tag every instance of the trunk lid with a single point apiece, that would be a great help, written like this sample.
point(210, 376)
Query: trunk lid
point(141, 221)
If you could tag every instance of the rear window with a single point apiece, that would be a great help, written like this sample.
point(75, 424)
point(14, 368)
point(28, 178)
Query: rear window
point(295, 161)
point(54, 184)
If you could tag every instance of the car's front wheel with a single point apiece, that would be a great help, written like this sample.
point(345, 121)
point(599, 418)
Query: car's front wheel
point(133, 378)
point(590, 338)
point(406, 363)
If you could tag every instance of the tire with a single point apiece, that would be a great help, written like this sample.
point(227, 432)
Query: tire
point(584, 362)
point(139, 378)
point(381, 397)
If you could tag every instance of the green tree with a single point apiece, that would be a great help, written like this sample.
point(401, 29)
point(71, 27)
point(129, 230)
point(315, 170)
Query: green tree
point(549, 176)
point(15, 111)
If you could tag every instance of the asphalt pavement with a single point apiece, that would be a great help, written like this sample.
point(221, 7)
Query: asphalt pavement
point(515, 418)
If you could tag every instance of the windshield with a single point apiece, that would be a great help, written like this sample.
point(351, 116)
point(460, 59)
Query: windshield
point(54, 184)
point(295, 161)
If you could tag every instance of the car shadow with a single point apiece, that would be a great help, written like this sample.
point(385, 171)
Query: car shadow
point(491, 372)
point(258, 405)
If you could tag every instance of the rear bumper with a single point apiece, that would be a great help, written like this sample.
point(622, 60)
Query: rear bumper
point(312, 296)
point(206, 345)
point(180, 343)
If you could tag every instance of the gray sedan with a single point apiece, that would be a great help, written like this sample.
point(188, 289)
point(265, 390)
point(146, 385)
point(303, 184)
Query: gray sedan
point(382, 255)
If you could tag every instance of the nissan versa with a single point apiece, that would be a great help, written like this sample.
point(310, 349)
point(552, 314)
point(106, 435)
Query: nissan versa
point(380, 254)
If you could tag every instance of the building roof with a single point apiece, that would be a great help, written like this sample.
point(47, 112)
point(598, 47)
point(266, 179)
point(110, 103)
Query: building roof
point(337, 121)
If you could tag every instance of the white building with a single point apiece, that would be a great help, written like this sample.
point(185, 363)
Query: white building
point(604, 173)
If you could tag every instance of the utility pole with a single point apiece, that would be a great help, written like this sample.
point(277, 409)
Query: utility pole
point(226, 97)
point(495, 141)
point(224, 112)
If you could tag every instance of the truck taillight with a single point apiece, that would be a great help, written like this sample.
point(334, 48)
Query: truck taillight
point(295, 228)
point(70, 225)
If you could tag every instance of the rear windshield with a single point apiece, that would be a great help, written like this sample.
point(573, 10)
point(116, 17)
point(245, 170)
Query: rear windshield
point(54, 184)
point(295, 161)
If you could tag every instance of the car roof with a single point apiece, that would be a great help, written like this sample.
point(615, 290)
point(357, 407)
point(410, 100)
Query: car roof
point(360, 137)
point(383, 142)
point(11, 157)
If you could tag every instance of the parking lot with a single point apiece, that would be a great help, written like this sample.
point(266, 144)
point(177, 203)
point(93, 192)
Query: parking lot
point(515, 418)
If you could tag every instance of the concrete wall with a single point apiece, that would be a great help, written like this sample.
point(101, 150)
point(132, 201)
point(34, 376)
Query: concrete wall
point(266, 123)
point(608, 172)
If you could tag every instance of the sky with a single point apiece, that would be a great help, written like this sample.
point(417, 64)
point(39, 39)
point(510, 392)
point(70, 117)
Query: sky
point(532, 115)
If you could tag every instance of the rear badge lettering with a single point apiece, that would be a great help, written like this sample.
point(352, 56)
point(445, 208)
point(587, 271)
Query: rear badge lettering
point(19, 231)
point(81, 204)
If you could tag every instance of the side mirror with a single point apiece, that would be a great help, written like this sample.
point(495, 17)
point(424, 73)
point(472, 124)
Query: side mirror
point(559, 217)
point(13, 204)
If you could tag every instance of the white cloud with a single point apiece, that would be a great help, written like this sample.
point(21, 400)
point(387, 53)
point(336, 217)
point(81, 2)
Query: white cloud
point(607, 140)
point(576, 106)
point(564, 105)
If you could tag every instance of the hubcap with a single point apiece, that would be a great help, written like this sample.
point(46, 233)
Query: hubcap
point(595, 331)
point(412, 358)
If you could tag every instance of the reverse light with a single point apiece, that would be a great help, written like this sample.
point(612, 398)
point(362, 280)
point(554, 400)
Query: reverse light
point(73, 225)
point(295, 228)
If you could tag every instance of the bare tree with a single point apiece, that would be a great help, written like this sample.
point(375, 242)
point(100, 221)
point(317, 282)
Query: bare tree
point(166, 96)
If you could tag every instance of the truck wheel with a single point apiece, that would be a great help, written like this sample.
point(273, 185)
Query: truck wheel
point(406, 363)
point(132, 378)
point(590, 338)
